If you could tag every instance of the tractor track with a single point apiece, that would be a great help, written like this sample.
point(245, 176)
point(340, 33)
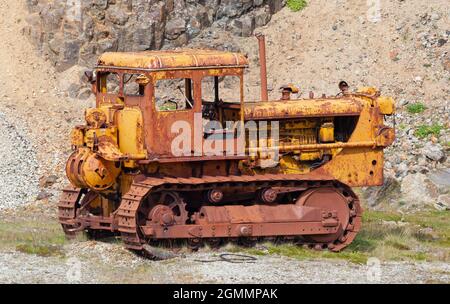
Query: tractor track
point(125, 217)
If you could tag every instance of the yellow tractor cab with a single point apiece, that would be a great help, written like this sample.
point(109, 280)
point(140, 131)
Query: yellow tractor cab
point(170, 86)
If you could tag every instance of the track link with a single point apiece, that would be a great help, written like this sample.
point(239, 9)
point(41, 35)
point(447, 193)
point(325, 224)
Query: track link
point(126, 215)
point(67, 209)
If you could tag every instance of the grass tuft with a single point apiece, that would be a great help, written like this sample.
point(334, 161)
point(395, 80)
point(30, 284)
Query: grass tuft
point(41, 250)
point(416, 108)
point(296, 5)
point(43, 238)
point(423, 131)
point(398, 241)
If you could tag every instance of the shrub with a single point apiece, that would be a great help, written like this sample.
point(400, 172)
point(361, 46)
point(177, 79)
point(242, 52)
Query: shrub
point(416, 108)
point(296, 5)
point(424, 130)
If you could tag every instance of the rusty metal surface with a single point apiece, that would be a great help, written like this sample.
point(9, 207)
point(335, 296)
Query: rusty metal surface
point(337, 226)
point(301, 108)
point(326, 228)
point(67, 204)
point(173, 59)
point(208, 230)
point(346, 210)
point(263, 66)
point(338, 145)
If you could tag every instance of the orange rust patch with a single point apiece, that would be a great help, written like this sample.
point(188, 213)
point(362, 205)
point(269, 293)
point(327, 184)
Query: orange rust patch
point(176, 59)
point(301, 108)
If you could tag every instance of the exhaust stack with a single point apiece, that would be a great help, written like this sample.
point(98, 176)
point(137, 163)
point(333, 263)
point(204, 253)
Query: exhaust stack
point(263, 66)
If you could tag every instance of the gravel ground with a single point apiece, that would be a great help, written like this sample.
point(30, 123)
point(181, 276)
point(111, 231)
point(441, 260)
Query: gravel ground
point(18, 165)
point(107, 263)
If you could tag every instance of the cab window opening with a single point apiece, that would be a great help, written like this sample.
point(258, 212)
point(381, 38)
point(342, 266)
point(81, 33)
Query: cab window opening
point(134, 84)
point(220, 89)
point(174, 94)
point(221, 97)
point(109, 83)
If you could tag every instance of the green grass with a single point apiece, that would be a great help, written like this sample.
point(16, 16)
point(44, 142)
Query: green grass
point(41, 250)
point(376, 239)
point(168, 107)
point(296, 5)
point(416, 108)
point(376, 216)
point(423, 131)
point(44, 238)
point(402, 242)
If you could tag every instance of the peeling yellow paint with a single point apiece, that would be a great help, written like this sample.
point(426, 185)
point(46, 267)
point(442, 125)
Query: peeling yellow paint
point(174, 59)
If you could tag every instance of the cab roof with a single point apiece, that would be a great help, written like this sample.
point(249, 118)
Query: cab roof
point(172, 59)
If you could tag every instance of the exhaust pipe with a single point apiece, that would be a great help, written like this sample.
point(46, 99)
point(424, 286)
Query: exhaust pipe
point(263, 66)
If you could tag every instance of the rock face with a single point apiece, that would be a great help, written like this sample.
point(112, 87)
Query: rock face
point(74, 32)
point(413, 192)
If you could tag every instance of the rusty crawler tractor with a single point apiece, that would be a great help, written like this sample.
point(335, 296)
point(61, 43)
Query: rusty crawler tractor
point(126, 179)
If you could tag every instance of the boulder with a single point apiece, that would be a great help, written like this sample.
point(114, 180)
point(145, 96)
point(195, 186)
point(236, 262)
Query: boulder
point(441, 178)
point(68, 55)
point(243, 26)
point(143, 38)
point(433, 151)
point(43, 195)
point(443, 202)
point(84, 93)
point(262, 16)
point(376, 196)
point(417, 190)
point(427, 233)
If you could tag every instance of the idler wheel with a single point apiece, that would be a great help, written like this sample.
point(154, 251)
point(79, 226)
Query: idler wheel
point(162, 214)
point(332, 201)
point(167, 209)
